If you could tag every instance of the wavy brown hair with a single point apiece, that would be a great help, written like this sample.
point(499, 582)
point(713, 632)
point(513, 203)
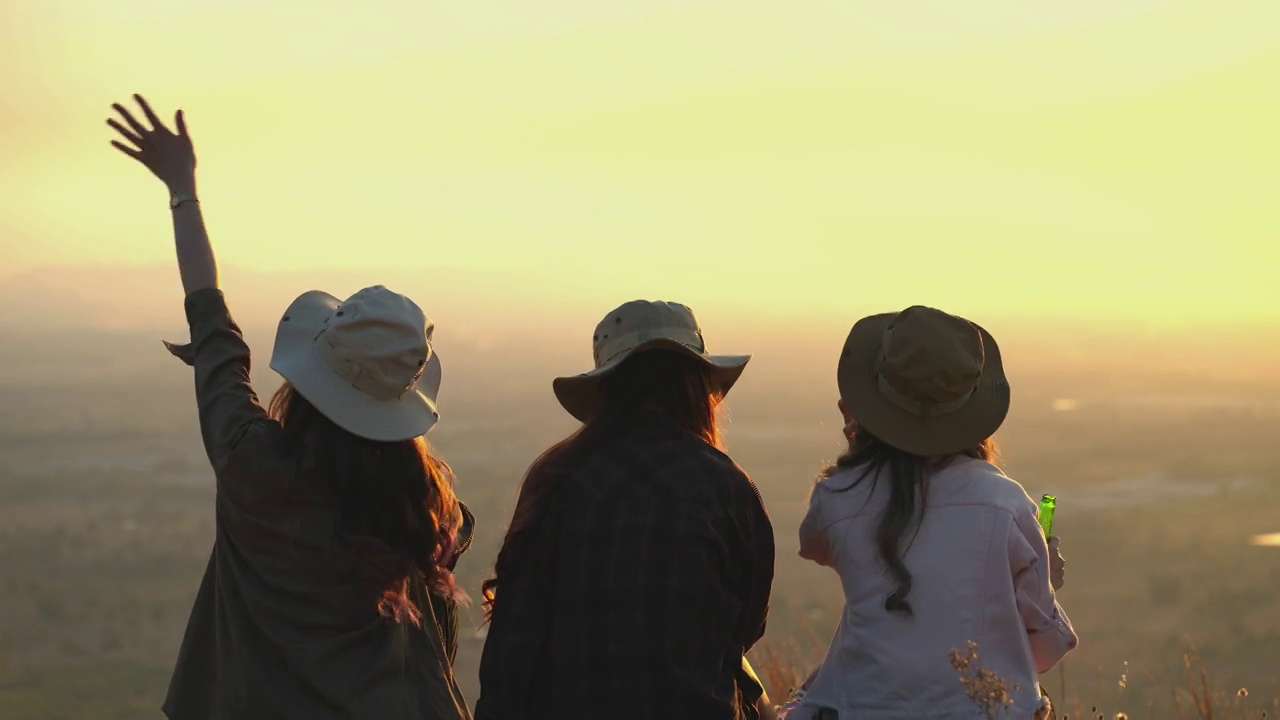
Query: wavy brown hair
point(908, 477)
point(398, 493)
point(673, 384)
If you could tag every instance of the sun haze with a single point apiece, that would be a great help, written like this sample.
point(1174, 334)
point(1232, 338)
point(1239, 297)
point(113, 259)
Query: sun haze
point(1111, 161)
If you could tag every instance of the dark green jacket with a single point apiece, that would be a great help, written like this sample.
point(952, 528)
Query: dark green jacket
point(285, 624)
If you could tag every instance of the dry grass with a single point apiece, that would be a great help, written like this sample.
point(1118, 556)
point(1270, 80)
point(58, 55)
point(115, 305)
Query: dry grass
point(984, 688)
point(1194, 693)
point(780, 667)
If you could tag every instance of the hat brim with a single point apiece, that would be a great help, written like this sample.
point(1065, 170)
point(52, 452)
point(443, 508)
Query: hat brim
point(581, 395)
point(858, 381)
point(294, 357)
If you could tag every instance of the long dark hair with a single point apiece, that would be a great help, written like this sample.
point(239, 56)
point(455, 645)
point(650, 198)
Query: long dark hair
point(398, 493)
point(908, 477)
point(668, 382)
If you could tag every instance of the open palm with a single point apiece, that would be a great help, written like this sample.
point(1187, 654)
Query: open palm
point(168, 155)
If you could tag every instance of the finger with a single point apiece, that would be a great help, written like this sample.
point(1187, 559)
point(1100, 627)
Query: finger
point(180, 121)
point(136, 155)
point(127, 135)
point(128, 117)
point(151, 116)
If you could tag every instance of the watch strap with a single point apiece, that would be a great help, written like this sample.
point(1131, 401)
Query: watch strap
point(181, 198)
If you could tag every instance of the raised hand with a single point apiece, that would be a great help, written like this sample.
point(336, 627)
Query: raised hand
point(168, 155)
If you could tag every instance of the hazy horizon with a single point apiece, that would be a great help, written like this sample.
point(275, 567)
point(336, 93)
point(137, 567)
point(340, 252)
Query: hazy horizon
point(481, 319)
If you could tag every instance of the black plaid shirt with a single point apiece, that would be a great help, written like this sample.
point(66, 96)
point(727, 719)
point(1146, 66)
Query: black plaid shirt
point(647, 581)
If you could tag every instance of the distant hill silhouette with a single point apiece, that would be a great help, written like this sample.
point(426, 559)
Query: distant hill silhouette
point(92, 322)
point(483, 314)
point(150, 296)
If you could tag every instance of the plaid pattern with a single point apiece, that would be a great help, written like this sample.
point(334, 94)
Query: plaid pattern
point(641, 590)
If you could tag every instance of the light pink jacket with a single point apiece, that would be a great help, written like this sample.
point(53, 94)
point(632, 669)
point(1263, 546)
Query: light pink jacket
point(980, 567)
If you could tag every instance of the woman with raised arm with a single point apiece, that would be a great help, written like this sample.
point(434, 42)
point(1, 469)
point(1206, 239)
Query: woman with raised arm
point(329, 592)
point(934, 545)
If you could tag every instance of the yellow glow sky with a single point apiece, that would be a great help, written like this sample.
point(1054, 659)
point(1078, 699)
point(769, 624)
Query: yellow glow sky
point(1114, 159)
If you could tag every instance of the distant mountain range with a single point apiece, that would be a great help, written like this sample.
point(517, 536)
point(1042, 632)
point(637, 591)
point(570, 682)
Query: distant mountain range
point(85, 298)
point(484, 314)
point(126, 298)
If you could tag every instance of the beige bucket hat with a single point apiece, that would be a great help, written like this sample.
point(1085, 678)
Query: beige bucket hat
point(923, 381)
point(635, 327)
point(366, 363)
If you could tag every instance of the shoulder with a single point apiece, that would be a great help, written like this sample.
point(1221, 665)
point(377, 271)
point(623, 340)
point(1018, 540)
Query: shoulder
point(986, 484)
point(839, 479)
point(705, 478)
point(842, 485)
point(665, 456)
point(673, 468)
point(261, 466)
point(698, 470)
point(840, 493)
point(262, 447)
point(714, 462)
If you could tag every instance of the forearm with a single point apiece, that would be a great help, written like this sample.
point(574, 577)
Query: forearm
point(196, 264)
point(1052, 643)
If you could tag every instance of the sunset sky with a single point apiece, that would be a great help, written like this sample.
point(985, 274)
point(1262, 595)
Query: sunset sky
point(1113, 160)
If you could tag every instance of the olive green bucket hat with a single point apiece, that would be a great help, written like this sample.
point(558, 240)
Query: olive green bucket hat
point(923, 381)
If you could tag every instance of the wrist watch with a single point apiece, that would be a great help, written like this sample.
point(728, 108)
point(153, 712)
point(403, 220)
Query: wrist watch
point(178, 198)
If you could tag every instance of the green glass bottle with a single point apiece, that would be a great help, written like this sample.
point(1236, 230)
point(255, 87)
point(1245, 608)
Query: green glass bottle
point(1048, 503)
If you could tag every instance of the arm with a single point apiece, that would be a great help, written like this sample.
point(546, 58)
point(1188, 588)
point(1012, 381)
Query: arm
point(227, 404)
point(813, 536)
point(721, 556)
point(228, 407)
point(517, 631)
point(1048, 628)
point(760, 545)
point(687, 596)
point(196, 264)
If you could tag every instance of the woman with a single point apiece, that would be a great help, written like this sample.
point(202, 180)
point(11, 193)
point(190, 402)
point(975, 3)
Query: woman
point(329, 591)
point(636, 571)
point(934, 545)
